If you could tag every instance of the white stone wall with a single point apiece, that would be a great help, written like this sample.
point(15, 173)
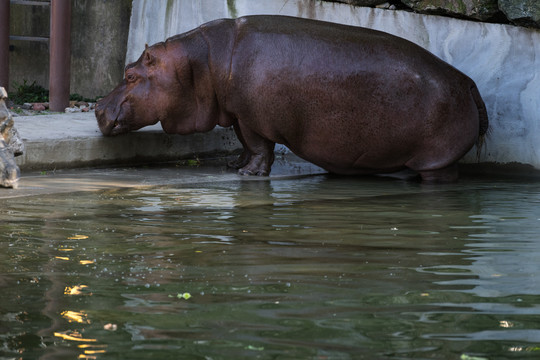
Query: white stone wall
point(503, 60)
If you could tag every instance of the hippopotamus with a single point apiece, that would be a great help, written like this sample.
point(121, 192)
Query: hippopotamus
point(11, 145)
point(351, 100)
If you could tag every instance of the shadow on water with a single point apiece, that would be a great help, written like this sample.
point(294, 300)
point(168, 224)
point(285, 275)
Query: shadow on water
point(318, 268)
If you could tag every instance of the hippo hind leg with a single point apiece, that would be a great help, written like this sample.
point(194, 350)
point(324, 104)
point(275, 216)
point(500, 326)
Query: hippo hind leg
point(447, 174)
point(260, 161)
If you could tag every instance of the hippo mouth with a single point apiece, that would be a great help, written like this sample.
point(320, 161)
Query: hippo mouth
point(112, 127)
point(116, 128)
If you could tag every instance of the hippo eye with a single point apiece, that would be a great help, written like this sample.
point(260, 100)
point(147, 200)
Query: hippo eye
point(130, 77)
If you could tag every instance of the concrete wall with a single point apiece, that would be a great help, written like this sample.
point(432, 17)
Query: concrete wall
point(98, 45)
point(98, 37)
point(29, 60)
point(504, 60)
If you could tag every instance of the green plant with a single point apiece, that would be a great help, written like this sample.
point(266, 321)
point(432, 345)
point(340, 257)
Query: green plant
point(33, 93)
point(77, 97)
point(26, 93)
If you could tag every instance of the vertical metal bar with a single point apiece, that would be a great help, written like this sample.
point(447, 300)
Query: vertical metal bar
point(60, 55)
point(4, 44)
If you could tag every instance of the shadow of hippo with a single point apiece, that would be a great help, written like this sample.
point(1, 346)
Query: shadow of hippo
point(11, 145)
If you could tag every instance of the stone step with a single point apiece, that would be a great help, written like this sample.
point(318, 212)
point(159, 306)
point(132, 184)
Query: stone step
point(62, 141)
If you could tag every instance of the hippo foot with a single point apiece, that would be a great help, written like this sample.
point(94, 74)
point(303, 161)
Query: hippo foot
point(258, 166)
point(247, 172)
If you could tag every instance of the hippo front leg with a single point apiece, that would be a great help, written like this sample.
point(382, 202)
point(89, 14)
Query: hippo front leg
point(259, 150)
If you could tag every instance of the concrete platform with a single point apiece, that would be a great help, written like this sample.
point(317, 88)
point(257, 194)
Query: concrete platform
point(63, 141)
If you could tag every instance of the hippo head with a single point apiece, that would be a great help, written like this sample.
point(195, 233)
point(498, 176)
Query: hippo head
point(148, 94)
point(11, 145)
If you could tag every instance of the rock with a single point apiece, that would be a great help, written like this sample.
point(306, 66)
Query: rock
point(72, 110)
point(26, 106)
point(362, 2)
point(386, 6)
point(11, 145)
point(522, 12)
point(38, 107)
point(476, 9)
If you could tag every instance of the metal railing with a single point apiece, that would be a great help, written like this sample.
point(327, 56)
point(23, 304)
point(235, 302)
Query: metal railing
point(59, 41)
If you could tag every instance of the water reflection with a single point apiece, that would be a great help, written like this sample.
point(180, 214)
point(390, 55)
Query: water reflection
point(503, 245)
point(320, 267)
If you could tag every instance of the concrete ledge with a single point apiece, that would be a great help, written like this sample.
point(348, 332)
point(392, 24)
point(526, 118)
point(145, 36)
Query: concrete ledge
point(74, 140)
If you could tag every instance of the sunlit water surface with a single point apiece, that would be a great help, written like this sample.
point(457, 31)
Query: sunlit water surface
point(313, 268)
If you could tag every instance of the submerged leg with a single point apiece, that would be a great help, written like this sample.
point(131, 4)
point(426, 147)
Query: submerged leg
point(448, 174)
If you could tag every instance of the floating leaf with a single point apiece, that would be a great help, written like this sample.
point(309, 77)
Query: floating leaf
point(254, 348)
point(185, 296)
point(469, 357)
point(110, 327)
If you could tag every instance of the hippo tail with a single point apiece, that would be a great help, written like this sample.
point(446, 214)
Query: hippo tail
point(483, 120)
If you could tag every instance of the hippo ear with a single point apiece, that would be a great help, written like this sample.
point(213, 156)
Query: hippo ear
point(148, 58)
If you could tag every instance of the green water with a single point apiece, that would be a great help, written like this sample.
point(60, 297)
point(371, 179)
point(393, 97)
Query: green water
point(313, 268)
